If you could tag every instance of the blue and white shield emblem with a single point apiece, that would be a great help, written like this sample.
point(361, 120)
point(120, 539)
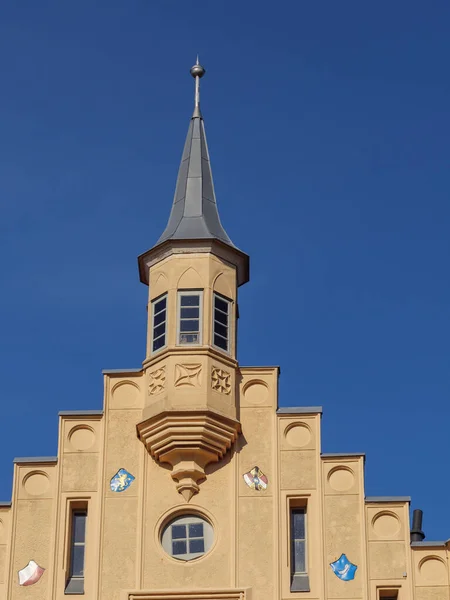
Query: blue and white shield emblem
point(121, 481)
point(343, 568)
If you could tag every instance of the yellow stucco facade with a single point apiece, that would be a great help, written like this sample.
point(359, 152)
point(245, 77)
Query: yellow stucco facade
point(185, 429)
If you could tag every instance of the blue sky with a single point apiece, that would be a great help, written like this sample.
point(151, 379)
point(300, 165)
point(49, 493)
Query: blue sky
point(328, 127)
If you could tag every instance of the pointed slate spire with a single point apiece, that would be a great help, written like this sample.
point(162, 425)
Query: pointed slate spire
point(194, 213)
point(194, 219)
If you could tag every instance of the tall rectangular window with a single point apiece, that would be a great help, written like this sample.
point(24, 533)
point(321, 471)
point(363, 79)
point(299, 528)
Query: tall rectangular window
point(159, 323)
point(299, 572)
point(75, 580)
point(221, 323)
point(189, 317)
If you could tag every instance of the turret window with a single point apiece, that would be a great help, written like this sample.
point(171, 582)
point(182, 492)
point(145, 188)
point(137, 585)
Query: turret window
point(159, 311)
point(189, 317)
point(221, 323)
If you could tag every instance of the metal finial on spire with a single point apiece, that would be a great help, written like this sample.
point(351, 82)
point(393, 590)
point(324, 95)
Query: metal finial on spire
point(197, 71)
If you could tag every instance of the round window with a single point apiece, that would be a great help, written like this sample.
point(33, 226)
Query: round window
point(187, 537)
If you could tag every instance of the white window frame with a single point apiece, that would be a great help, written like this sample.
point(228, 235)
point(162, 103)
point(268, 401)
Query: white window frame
point(187, 519)
point(154, 302)
point(230, 304)
point(198, 293)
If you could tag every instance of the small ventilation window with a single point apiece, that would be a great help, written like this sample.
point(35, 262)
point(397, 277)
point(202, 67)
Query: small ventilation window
point(388, 594)
point(159, 323)
point(187, 537)
point(221, 323)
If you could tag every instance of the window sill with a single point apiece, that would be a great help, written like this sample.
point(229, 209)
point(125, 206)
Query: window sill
point(74, 587)
point(300, 583)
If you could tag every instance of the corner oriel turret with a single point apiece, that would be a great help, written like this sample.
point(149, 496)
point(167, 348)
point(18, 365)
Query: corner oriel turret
point(193, 272)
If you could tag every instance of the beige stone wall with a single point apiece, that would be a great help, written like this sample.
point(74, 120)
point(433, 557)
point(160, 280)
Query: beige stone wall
point(5, 536)
point(257, 546)
point(343, 517)
point(32, 523)
point(300, 484)
point(238, 428)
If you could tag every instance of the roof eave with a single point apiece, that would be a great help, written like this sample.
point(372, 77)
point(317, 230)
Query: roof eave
point(228, 253)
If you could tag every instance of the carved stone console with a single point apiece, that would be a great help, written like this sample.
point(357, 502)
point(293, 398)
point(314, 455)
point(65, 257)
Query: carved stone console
point(188, 441)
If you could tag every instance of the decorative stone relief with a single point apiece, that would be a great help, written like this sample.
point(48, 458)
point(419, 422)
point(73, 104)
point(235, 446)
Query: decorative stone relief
point(30, 574)
point(341, 479)
point(433, 570)
point(81, 438)
point(36, 483)
point(256, 479)
point(188, 375)
point(188, 442)
point(220, 380)
point(121, 481)
point(343, 568)
point(386, 524)
point(156, 381)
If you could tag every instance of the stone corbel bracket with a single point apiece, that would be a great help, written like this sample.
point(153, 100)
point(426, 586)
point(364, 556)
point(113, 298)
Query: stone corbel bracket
point(188, 441)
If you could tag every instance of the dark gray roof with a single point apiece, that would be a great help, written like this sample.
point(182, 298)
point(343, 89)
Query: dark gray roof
point(388, 498)
point(431, 544)
point(194, 213)
point(341, 454)
point(35, 459)
point(116, 371)
point(82, 413)
point(298, 410)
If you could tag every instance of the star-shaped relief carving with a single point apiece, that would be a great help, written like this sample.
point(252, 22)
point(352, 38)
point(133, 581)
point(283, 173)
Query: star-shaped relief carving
point(157, 381)
point(220, 380)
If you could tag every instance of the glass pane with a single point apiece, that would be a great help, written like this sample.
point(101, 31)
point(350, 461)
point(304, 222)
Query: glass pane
point(298, 524)
point(221, 304)
point(196, 546)
point(79, 527)
point(77, 566)
point(159, 318)
point(189, 338)
point(190, 300)
point(196, 530)
point(189, 325)
point(160, 305)
point(159, 343)
point(190, 313)
point(221, 317)
point(299, 557)
point(220, 342)
point(178, 531)
point(179, 548)
point(157, 331)
point(221, 330)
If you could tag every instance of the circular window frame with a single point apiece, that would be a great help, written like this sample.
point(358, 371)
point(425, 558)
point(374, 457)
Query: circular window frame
point(169, 516)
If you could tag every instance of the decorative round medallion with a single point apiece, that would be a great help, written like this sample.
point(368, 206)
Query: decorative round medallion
point(36, 483)
point(433, 570)
point(386, 524)
point(341, 479)
point(298, 435)
point(255, 392)
point(125, 394)
point(81, 438)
